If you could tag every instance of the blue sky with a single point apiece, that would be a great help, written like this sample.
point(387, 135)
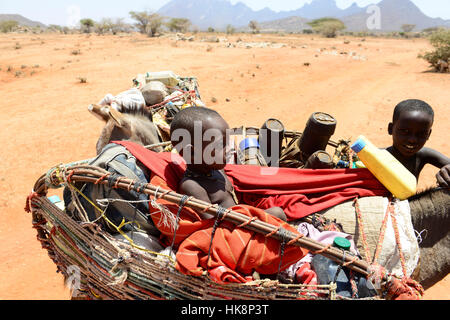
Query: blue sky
point(64, 12)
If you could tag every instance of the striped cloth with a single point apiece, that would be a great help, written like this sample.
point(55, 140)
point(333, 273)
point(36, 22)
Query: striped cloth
point(235, 252)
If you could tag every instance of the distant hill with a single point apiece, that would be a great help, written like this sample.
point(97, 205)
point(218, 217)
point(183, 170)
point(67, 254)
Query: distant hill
point(219, 13)
point(216, 13)
point(325, 8)
point(394, 14)
point(290, 24)
point(21, 20)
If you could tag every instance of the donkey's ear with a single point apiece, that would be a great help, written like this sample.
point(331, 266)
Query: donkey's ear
point(100, 112)
point(117, 116)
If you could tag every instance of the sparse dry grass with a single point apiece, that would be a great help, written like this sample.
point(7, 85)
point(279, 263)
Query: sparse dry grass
point(45, 119)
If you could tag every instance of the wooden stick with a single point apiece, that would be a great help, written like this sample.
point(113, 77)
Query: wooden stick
point(91, 174)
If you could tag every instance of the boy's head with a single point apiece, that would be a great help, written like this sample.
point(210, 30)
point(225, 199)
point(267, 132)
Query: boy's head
point(411, 126)
point(200, 136)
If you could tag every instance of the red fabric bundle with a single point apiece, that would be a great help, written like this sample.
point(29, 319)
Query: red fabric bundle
point(404, 289)
point(235, 251)
point(300, 192)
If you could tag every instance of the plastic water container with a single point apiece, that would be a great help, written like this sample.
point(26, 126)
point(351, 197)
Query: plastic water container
point(167, 77)
point(249, 152)
point(386, 168)
point(329, 271)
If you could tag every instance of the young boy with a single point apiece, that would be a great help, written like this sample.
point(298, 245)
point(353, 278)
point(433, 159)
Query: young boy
point(410, 129)
point(200, 136)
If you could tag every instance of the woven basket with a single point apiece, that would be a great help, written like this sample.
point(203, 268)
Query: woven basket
point(98, 266)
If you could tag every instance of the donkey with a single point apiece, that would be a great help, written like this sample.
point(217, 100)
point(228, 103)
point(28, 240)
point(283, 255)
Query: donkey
point(133, 126)
point(430, 211)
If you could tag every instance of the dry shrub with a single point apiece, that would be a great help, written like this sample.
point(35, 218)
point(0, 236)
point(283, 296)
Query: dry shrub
point(440, 57)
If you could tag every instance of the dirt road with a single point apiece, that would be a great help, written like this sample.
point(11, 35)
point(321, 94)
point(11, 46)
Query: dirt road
point(44, 118)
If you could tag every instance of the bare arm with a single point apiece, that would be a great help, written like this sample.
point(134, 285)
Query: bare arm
point(440, 161)
point(193, 189)
point(434, 158)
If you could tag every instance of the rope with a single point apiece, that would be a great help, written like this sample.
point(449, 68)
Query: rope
point(361, 230)
point(360, 266)
point(353, 285)
point(156, 107)
point(328, 246)
point(183, 201)
point(284, 237)
point(397, 239)
point(248, 222)
point(382, 233)
point(220, 214)
point(118, 229)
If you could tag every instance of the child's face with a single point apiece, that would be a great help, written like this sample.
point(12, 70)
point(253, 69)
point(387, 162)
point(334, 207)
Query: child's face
point(207, 147)
point(410, 131)
point(215, 144)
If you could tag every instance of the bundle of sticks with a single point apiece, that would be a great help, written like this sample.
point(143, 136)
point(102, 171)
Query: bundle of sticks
point(91, 174)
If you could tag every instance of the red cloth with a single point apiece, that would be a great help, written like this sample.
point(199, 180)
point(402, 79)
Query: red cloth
point(404, 289)
point(235, 252)
point(300, 192)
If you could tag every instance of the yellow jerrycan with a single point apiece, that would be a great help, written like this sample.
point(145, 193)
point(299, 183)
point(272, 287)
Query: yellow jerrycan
point(386, 168)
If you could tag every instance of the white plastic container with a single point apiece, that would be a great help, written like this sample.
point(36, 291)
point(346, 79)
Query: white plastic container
point(386, 168)
point(167, 77)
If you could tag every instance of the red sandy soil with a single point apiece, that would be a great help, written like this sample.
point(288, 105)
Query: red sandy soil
point(45, 120)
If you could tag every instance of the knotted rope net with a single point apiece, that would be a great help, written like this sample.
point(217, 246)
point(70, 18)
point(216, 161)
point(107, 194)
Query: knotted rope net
point(97, 265)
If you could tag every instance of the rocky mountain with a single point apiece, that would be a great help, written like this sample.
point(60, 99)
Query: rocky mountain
point(220, 13)
point(394, 14)
point(325, 8)
point(215, 13)
point(21, 20)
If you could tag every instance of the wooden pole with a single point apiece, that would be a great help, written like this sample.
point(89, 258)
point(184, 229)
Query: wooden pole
point(91, 174)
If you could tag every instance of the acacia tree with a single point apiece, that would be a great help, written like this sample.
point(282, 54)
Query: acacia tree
point(329, 27)
point(109, 25)
point(147, 22)
point(230, 29)
point(178, 24)
point(104, 26)
point(87, 25)
point(408, 27)
point(254, 26)
point(8, 25)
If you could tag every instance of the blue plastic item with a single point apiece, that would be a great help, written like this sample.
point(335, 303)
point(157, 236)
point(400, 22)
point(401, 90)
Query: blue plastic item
point(358, 145)
point(249, 143)
point(54, 199)
point(343, 164)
